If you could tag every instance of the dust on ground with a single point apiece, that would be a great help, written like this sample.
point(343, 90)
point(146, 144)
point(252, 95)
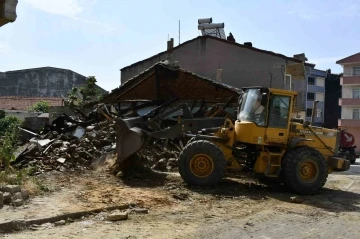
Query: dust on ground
point(239, 207)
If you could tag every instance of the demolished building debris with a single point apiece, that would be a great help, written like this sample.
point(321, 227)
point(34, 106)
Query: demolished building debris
point(160, 95)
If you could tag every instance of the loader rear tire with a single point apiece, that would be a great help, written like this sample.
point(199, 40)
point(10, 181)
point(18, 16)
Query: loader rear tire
point(202, 163)
point(304, 170)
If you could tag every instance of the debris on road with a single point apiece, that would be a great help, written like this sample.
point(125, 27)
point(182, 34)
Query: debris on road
point(295, 200)
point(117, 215)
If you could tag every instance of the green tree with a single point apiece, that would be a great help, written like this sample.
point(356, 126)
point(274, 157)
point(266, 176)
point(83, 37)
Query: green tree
point(87, 93)
point(41, 106)
point(90, 90)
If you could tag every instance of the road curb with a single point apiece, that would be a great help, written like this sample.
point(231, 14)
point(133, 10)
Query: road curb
point(17, 225)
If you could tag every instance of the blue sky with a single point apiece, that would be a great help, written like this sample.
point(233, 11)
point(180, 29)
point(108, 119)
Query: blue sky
point(98, 37)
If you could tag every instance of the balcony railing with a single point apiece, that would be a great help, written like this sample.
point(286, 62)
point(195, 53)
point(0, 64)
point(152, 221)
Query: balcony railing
point(349, 122)
point(349, 101)
point(349, 79)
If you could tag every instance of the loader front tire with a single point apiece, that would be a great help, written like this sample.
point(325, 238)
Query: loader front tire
point(202, 163)
point(304, 170)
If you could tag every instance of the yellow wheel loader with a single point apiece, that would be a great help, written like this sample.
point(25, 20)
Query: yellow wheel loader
point(265, 138)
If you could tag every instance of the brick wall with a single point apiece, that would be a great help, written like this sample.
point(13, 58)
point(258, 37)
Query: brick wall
point(22, 103)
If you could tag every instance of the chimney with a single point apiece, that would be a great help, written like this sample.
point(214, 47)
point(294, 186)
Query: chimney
point(301, 57)
point(248, 44)
point(219, 75)
point(170, 45)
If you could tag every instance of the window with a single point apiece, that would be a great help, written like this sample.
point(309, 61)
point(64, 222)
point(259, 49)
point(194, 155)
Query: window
point(288, 82)
point(311, 80)
point(356, 93)
point(319, 113)
point(308, 112)
point(356, 71)
point(356, 114)
point(311, 96)
point(279, 111)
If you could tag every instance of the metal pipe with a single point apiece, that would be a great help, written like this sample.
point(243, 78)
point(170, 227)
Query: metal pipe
point(313, 111)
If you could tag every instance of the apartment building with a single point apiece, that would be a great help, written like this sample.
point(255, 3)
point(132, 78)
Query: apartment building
point(350, 99)
point(315, 91)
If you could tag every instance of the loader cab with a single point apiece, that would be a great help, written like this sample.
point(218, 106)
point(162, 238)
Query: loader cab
point(264, 115)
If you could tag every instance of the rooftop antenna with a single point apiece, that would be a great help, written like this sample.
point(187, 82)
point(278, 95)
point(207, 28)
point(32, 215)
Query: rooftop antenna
point(179, 32)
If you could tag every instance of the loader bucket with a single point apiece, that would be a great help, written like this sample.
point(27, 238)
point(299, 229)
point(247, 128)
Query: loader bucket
point(128, 140)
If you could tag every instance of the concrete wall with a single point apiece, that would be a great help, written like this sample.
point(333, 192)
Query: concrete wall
point(348, 69)
point(332, 110)
point(347, 112)
point(347, 91)
point(240, 66)
point(56, 111)
point(21, 114)
point(40, 82)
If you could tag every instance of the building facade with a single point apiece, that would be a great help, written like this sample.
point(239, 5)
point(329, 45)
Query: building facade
point(315, 91)
point(350, 99)
point(238, 65)
point(332, 110)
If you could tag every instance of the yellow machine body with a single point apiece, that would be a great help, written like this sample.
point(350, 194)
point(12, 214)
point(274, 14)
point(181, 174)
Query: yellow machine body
point(273, 141)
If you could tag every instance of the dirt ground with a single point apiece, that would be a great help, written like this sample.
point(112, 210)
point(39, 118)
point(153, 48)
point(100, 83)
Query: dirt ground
point(238, 208)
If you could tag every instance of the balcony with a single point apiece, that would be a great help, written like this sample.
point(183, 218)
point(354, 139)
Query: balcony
point(349, 101)
point(316, 89)
point(350, 80)
point(349, 123)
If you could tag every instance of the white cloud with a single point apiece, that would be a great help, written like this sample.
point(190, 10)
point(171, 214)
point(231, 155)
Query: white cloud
point(72, 9)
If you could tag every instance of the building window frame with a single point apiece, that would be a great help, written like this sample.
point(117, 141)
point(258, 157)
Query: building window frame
point(309, 112)
point(356, 113)
point(355, 93)
point(356, 71)
point(311, 81)
point(310, 98)
point(319, 113)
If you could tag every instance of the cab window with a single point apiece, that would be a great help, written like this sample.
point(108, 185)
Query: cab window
point(279, 111)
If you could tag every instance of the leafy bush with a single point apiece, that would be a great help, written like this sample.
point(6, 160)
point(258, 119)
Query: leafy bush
point(2, 114)
point(10, 132)
point(41, 106)
point(8, 123)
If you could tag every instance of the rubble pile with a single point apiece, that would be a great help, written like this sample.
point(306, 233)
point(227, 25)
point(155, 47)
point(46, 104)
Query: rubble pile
point(76, 142)
point(78, 149)
point(160, 158)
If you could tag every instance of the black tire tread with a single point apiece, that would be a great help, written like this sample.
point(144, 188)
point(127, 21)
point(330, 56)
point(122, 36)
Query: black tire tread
point(288, 172)
point(206, 147)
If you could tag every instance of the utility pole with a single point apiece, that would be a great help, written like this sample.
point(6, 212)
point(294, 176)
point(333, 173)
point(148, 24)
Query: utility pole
point(179, 32)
